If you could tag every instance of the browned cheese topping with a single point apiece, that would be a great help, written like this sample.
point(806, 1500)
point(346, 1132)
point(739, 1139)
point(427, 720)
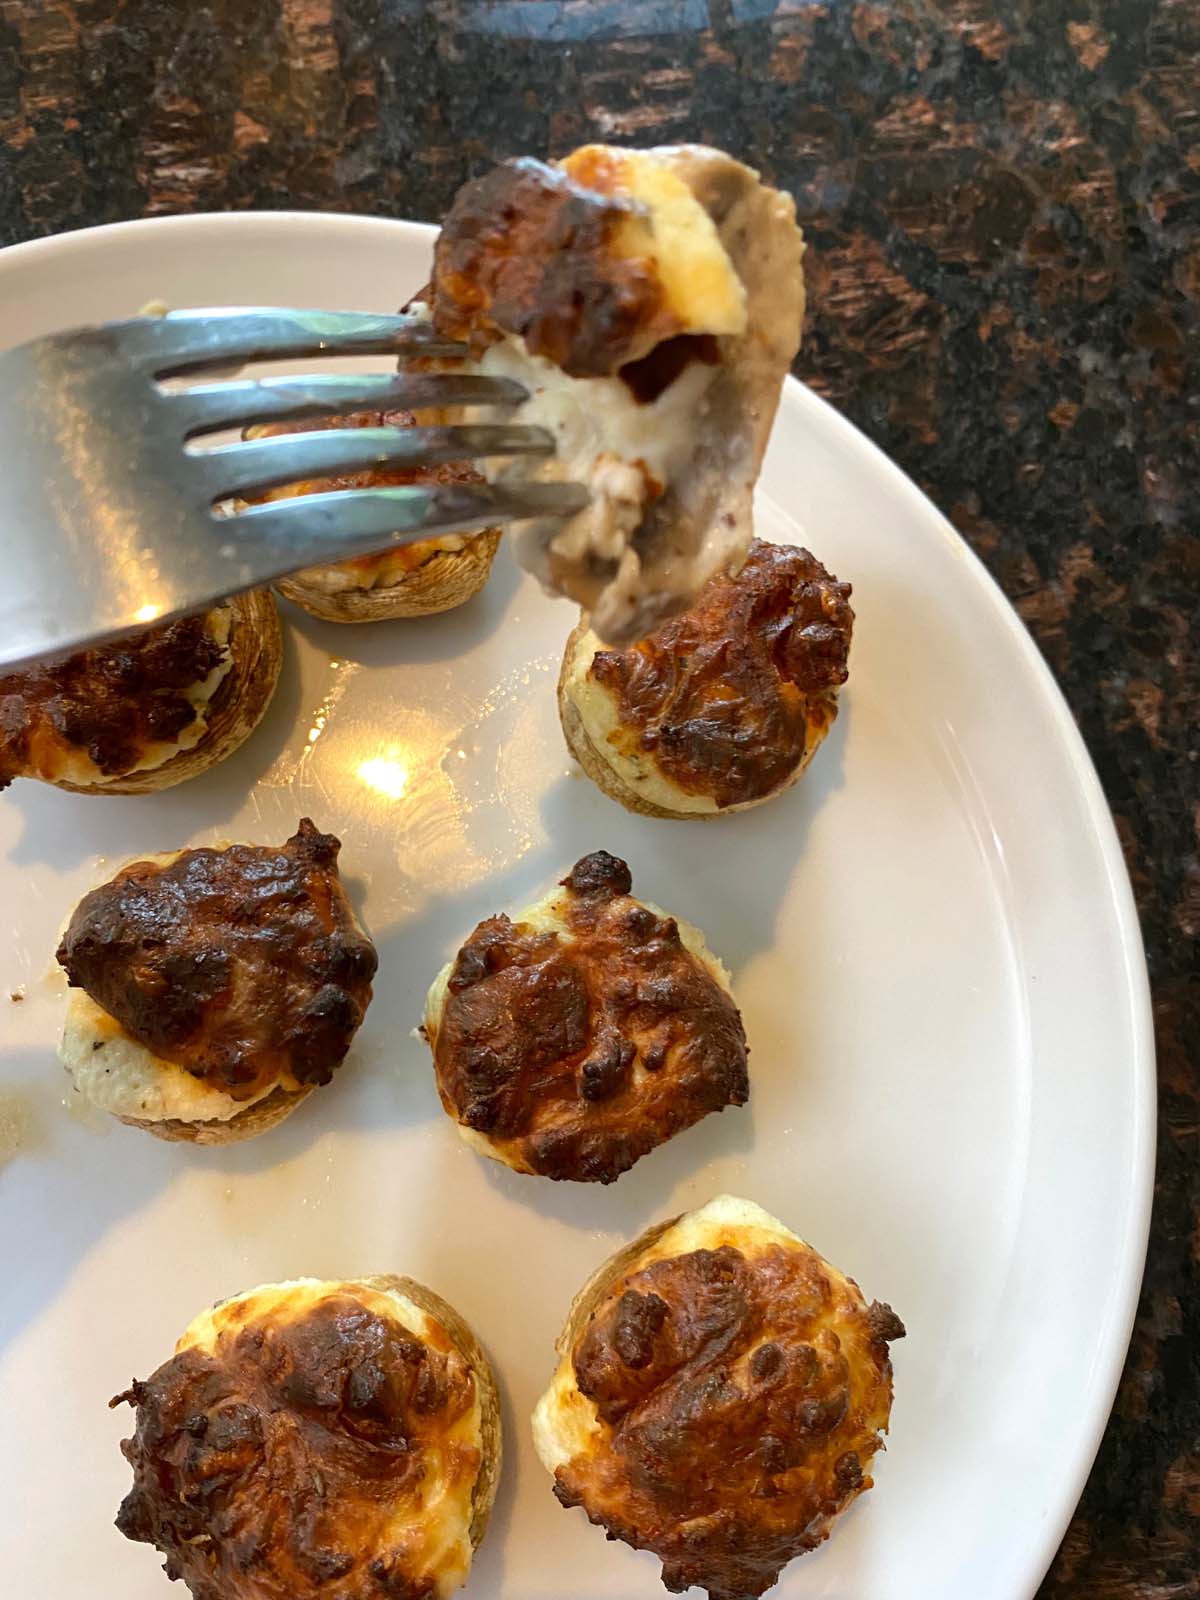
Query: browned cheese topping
point(244, 965)
point(723, 696)
point(738, 1422)
point(109, 702)
point(285, 1462)
point(579, 1054)
point(527, 250)
point(407, 557)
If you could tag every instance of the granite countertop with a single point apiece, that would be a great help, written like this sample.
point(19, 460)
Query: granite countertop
point(1003, 206)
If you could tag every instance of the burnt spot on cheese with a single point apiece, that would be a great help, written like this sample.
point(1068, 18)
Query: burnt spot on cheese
point(742, 1398)
point(725, 697)
point(277, 1462)
point(244, 966)
point(527, 250)
point(109, 702)
point(578, 1052)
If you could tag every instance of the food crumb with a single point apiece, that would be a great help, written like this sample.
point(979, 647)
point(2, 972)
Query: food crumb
point(13, 1127)
point(17, 995)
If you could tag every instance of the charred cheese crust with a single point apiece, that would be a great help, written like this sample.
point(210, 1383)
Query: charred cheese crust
point(225, 707)
point(367, 1403)
point(719, 1399)
point(572, 1040)
point(721, 708)
point(119, 1073)
point(413, 580)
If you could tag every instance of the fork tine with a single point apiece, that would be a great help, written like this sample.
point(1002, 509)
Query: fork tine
point(234, 405)
point(184, 341)
point(316, 528)
point(239, 469)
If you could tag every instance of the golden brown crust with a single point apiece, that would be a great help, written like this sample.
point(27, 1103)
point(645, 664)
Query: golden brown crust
point(245, 966)
point(245, 1124)
point(527, 250)
point(571, 1055)
point(730, 700)
point(278, 1456)
point(447, 578)
point(484, 1494)
point(615, 787)
point(237, 707)
point(736, 1423)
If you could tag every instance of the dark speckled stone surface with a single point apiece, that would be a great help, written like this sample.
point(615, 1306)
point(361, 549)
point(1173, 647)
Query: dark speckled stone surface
point(1003, 204)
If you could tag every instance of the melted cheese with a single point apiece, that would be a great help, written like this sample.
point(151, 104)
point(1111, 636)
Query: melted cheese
point(549, 915)
point(121, 1076)
point(59, 762)
point(597, 424)
point(698, 279)
point(566, 1423)
point(385, 571)
point(434, 1529)
point(599, 711)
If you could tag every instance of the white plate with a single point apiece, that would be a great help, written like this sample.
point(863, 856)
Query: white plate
point(933, 944)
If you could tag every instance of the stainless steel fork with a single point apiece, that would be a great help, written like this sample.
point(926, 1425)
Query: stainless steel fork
point(109, 522)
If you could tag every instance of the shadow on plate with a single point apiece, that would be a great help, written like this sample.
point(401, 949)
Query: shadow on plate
point(647, 1193)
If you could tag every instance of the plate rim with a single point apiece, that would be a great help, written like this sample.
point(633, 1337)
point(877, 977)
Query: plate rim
point(822, 415)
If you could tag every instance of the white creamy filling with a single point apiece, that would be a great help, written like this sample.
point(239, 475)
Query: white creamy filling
point(121, 1076)
point(625, 452)
point(384, 572)
point(592, 418)
point(117, 1074)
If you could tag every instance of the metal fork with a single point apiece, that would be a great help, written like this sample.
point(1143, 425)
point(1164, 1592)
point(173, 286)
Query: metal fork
point(108, 522)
